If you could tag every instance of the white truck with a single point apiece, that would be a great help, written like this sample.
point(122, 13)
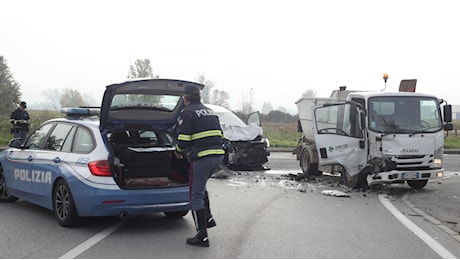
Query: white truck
point(374, 137)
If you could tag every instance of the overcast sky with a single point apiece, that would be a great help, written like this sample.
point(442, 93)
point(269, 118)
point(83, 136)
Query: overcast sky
point(279, 49)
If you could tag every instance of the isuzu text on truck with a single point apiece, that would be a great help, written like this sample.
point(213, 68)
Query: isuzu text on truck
point(374, 137)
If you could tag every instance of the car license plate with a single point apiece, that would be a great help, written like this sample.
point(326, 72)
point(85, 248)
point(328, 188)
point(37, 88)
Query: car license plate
point(410, 175)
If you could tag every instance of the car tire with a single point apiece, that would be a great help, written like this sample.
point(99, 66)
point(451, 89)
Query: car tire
point(4, 196)
point(63, 205)
point(175, 214)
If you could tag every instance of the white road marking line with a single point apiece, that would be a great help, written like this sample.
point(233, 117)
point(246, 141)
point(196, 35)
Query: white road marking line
point(449, 173)
point(431, 242)
point(92, 241)
point(236, 183)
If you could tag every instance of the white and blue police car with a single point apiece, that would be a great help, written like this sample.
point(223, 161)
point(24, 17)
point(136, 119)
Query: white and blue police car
point(118, 160)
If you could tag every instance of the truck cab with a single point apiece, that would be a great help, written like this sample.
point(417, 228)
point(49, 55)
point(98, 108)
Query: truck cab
point(376, 137)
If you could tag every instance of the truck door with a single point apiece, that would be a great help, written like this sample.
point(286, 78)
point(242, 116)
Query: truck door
point(340, 139)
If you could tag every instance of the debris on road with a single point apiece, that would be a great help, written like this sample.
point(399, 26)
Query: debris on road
point(335, 193)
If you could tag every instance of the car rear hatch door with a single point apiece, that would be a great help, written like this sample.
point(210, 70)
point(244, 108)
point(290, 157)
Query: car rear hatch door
point(142, 103)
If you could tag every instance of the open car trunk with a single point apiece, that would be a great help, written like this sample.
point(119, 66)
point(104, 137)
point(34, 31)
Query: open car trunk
point(146, 110)
point(146, 162)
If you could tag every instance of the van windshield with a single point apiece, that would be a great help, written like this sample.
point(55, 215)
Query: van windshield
point(396, 114)
point(229, 119)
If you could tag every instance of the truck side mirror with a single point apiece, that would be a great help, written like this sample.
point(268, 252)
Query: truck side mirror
point(448, 127)
point(447, 111)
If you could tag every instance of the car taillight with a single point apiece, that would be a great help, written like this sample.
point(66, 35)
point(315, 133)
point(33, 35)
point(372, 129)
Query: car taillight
point(99, 168)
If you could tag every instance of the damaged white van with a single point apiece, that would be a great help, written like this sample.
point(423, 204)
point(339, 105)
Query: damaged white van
point(245, 145)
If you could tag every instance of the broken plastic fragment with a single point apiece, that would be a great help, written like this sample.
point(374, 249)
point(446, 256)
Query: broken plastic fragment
point(335, 193)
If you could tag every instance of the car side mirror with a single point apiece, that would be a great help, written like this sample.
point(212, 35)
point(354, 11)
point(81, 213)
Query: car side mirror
point(15, 143)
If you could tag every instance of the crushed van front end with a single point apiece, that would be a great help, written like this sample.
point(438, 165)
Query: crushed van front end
point(416, 170)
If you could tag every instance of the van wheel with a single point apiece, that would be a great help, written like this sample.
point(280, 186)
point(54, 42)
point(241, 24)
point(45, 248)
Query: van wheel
point(63, 205)
point(418, 184)
point(175, 214)
point(308, 168)
point(4, 196)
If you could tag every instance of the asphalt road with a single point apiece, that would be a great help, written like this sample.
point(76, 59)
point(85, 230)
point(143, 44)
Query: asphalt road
point(259, 215)
point(438, 202)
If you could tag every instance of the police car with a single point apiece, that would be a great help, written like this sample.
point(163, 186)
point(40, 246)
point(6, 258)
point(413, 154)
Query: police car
point(118, 163)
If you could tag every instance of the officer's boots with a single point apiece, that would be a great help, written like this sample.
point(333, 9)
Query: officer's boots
point(201, 238)
point(210, 220)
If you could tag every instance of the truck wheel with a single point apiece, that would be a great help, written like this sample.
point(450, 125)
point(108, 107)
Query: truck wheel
point(308, 168)
point(418, 184)
point(63, 205)
point(4, 196)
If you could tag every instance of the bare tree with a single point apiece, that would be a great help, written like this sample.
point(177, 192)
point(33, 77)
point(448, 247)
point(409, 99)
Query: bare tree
point(212, 96)
point(141, 69)
point(220, 98)
point(53, 98)
point(309, 93)
point(266, 108)
point(247, 102)
point(207, 90)
point(71, 98)
point(282, 109)
point(90, 101)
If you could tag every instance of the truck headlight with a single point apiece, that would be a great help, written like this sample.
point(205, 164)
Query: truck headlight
point(437, 162)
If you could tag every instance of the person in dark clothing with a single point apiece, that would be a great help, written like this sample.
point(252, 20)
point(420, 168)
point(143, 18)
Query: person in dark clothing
point(20, 121)
point(200, 137)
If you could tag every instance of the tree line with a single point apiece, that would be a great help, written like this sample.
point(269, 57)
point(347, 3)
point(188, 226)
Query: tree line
point(10, 95)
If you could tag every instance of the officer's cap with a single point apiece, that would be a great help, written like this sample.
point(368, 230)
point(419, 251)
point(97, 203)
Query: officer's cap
point(192, 90)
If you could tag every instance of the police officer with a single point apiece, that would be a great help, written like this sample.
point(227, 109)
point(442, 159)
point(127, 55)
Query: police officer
point(201, 137)
point(20, 122)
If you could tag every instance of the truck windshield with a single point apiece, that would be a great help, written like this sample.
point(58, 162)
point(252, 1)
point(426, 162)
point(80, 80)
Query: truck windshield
point(397, 114)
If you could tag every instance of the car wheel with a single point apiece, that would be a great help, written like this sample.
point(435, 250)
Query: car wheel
point(175, 214)
point(63, 205)
point(418, 184)
point(4, 196)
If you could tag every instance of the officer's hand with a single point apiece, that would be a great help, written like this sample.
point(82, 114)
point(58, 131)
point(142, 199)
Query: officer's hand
point(178, 155)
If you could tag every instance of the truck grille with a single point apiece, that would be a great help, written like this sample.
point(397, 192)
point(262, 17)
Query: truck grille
point(413, 162)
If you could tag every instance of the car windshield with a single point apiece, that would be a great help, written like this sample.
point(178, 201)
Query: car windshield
point(144, 101)
point(404, 114)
